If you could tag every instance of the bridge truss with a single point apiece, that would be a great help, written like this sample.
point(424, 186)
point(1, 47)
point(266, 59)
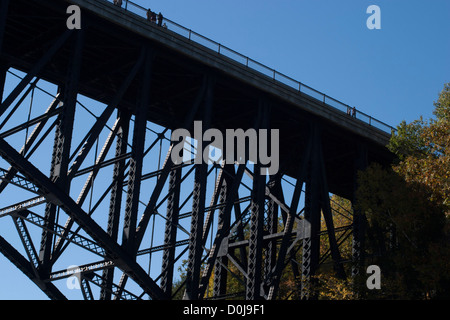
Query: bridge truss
point(88, 189)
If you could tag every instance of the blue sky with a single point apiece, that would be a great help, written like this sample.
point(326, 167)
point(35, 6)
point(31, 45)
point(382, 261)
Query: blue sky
point(393, 74)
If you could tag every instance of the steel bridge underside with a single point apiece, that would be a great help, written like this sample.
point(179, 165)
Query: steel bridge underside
point(147, 74)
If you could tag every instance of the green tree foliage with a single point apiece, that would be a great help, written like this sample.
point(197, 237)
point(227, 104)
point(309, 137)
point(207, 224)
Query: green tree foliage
point(423, 148)
point(408, 206)
point(342, 212)
point(408, 234)
point(327, 285)
point(330, 287)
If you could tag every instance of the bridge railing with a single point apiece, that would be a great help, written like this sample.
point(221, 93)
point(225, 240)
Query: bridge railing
point(259, 67)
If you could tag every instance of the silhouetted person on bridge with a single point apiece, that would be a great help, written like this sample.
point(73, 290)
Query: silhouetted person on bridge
point(153, 17)
point(354, 112)
point(118, 3)
point(160, 19)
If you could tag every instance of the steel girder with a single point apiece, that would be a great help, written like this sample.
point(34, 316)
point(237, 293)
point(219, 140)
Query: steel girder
point(255, 236)
point(3, 14)
point(359, 219)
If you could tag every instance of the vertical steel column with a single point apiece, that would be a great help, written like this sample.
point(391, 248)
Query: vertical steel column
point(289, 220)
point(3, 68)
point(170, 234)
point(223, 224)
point(358, 245)
point(198, 207)
point(3, 15)
point(275, 188)
point(116, 197)
point(311, 223)
point(3, 73)
point(162, 177)
point(220, 242)
point(272, 228)
point(253, 290)
point(136, 160)
point(195, 237)
point(328, 217)
point(50, 209)
point(270, 259)
point(62, 144)
point(90, 139)
point(167, 167)
point(255, 249)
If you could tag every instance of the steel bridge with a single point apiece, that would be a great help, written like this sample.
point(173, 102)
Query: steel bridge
point(87, 179)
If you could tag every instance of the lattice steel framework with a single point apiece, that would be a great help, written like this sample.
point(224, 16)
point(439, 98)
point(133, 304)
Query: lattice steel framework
point(119, 212)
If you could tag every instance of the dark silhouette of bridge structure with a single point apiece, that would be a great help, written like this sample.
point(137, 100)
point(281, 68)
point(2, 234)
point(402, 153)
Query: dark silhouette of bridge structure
point(88, 187)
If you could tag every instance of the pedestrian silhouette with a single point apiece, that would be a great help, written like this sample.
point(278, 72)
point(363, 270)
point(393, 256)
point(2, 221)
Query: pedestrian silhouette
point(160, 19)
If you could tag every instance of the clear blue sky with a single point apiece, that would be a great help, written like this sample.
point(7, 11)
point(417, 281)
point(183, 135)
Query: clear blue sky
point(393, 74)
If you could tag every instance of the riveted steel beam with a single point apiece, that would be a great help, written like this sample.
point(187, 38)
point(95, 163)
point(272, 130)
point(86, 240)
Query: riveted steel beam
point(170, 233)
point(26, 267)
point(115, 202)
point(359, 219)
point(54, 194)
point(198, 205)
point(137, 155)
point(62, 144)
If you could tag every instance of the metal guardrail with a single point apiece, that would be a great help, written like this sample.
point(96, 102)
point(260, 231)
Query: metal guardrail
point(257, 66)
